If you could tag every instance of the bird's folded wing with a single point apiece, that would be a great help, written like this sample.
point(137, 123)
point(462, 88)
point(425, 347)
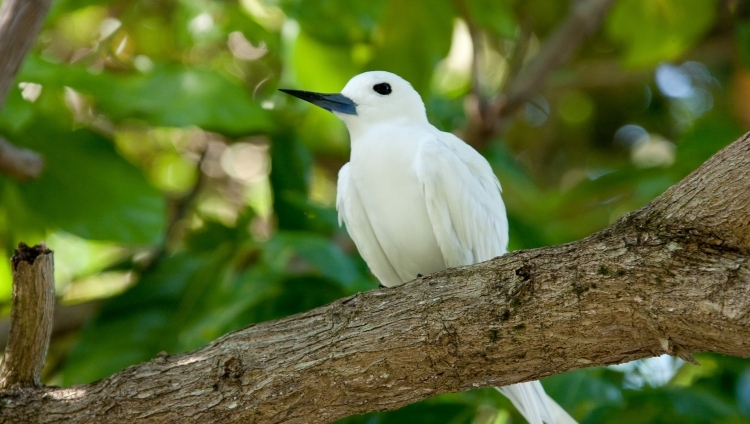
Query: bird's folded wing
point(353, 214)
point(463, 200)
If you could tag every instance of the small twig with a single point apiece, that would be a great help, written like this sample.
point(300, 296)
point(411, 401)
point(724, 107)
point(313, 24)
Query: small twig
point(476, 84)
point(520, 51)
point(185, 204)
point(19, 163)
point(478, 102)
point(181, 209)
point(584, 18)
point(30, 318)
point(684, 354)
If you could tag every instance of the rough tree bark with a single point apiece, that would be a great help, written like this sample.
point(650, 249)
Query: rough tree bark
point(671, 277)
point(31, 317)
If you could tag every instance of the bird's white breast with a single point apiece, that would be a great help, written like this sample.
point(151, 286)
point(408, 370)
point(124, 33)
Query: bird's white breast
point(383, 173)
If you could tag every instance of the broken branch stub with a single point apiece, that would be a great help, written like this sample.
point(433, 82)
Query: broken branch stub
point(31, 316)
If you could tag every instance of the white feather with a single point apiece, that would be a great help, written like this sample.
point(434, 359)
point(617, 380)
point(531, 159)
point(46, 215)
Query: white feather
point(417, 200)
point(351, 212)
point(463, 200)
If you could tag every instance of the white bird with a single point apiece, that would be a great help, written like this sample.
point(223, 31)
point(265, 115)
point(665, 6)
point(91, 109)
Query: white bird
point(417, 200)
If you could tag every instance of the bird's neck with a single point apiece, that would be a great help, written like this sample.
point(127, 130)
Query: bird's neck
point(359, 130)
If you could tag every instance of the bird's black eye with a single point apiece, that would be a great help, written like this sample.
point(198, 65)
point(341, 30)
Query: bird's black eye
point(383, 88)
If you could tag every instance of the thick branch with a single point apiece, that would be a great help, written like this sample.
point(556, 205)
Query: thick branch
point(671, 277)
point(31, 316)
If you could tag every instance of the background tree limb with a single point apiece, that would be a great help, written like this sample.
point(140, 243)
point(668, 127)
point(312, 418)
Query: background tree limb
point(20, 21)
point(584, 18)
point(671, 277)
point(19, 163)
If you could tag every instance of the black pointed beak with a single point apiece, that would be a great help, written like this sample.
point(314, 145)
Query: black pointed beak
point(330, 102)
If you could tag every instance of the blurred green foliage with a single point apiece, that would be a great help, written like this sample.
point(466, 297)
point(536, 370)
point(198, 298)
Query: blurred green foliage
point(191, 198)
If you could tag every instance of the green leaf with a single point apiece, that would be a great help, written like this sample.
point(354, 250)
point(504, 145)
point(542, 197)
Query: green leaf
point(16, 112)
point(323, 256)
point(415, 35)
point(594, 388)
point(709, 135)
point(323, 220)
point(494, 16)
point(237, 302)
point(655, 30)
point(321, 67)
point(666, 405)
point(298, 294)
point(87, 189)
point(6, 284)
point(290, 166)
point(209, 236)
point(418, 413)
point(743, 38)
point(169, 95)
point(146, 319)
point(63, 6)
point(336, 21)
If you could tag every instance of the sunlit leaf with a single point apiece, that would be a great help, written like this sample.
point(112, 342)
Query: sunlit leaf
point(413, 37)
point(169, 95)
point(656, 30)
point(335, 21)
point(495, 16)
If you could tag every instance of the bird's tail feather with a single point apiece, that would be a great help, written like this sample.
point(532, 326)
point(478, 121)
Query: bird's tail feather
point(534, 404)
point(560, 415)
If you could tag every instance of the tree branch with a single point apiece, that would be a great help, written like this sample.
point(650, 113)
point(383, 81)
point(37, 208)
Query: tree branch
point(584, 18)
point(19, 163)
point(31, 317)
point(671, 277)
point(20, 21)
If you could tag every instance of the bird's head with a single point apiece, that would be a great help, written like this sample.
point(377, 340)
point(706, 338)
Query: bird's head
point(370, 98)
